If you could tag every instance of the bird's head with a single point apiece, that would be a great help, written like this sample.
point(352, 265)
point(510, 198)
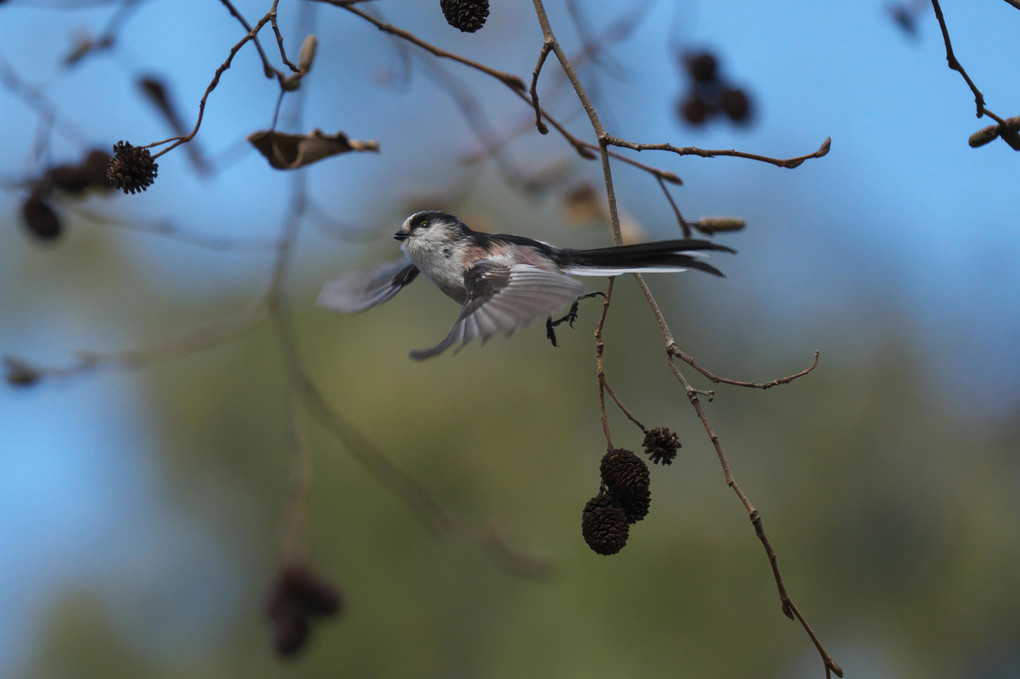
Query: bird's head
point(429, 227)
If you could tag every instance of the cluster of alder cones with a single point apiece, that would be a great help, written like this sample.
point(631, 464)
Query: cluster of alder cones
point(624, 495)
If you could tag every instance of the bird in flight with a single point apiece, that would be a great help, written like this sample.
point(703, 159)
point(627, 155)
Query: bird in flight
point(501, 281)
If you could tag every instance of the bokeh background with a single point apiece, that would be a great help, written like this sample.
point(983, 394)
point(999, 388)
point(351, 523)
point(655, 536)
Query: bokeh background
point(141, 511)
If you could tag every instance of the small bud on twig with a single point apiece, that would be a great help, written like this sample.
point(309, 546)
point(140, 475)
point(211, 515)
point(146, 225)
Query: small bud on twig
point(984, 136)
point(291, 83)
point(712, 225)
point(308, 48)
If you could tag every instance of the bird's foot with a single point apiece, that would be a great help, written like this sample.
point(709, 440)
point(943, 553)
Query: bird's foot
point(570, 317)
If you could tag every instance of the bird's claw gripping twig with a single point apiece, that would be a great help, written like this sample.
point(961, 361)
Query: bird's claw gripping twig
point(570, 317)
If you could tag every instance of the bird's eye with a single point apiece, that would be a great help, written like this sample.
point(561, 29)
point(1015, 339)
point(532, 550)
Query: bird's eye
point(423, 224)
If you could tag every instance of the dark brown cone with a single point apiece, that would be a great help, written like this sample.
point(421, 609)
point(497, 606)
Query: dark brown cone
point(604, 525)
point(624, 474)
point(735, 104)
point(694, 109)
point(661, 445)
point(298, 595)
point(290, 635)
point(76, 179)
point(298, 588)
point(465, 15)
point(42, 221)
point(702, 66)
point(132, 169)
point(69, 178)
point(636, 508)
point(95, 167)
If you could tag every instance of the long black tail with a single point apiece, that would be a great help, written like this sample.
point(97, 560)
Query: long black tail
point(660, 256)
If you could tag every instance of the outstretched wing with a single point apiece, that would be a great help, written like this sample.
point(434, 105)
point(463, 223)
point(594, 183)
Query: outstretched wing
point(360, 290)
point(502, 298)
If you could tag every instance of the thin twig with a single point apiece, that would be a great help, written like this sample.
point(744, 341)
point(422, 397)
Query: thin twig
point(619, 404)
point(604, 141)
point(542, 56)
point(600, 368)
point(788, 163)
point(410, 491)
point(267, 67)
point(684, 226)
point(789, 609)
point(279, 41)
point(676, 351)
point(692, 395)
point(508, 79)
point(583, 148)
point(295, 537)
point(979, 99)
point(177, 141)
point(587, 150)
point(616, 31)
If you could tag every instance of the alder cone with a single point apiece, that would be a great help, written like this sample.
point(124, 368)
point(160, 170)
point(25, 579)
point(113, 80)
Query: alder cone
point(41, 219)
point(624, 474)
point(465, 15)
point(604, 525)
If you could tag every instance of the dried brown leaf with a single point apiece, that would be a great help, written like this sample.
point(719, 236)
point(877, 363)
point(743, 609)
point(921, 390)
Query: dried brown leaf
point(291, 151)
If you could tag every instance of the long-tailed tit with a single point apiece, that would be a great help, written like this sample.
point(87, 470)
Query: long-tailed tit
point(502, 281)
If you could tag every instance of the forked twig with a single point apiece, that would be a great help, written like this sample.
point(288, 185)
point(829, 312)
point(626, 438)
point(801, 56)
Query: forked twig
point(954, 63)
point(604, 141)
point(693, 396)
point(177, 141)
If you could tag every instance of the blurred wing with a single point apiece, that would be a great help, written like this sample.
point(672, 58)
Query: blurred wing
point(360, 290)
point(503, 298)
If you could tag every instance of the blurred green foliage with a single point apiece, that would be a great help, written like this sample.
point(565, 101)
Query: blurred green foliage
point(894, 517)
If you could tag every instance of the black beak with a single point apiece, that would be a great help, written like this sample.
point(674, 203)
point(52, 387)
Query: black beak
point(400, 235)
